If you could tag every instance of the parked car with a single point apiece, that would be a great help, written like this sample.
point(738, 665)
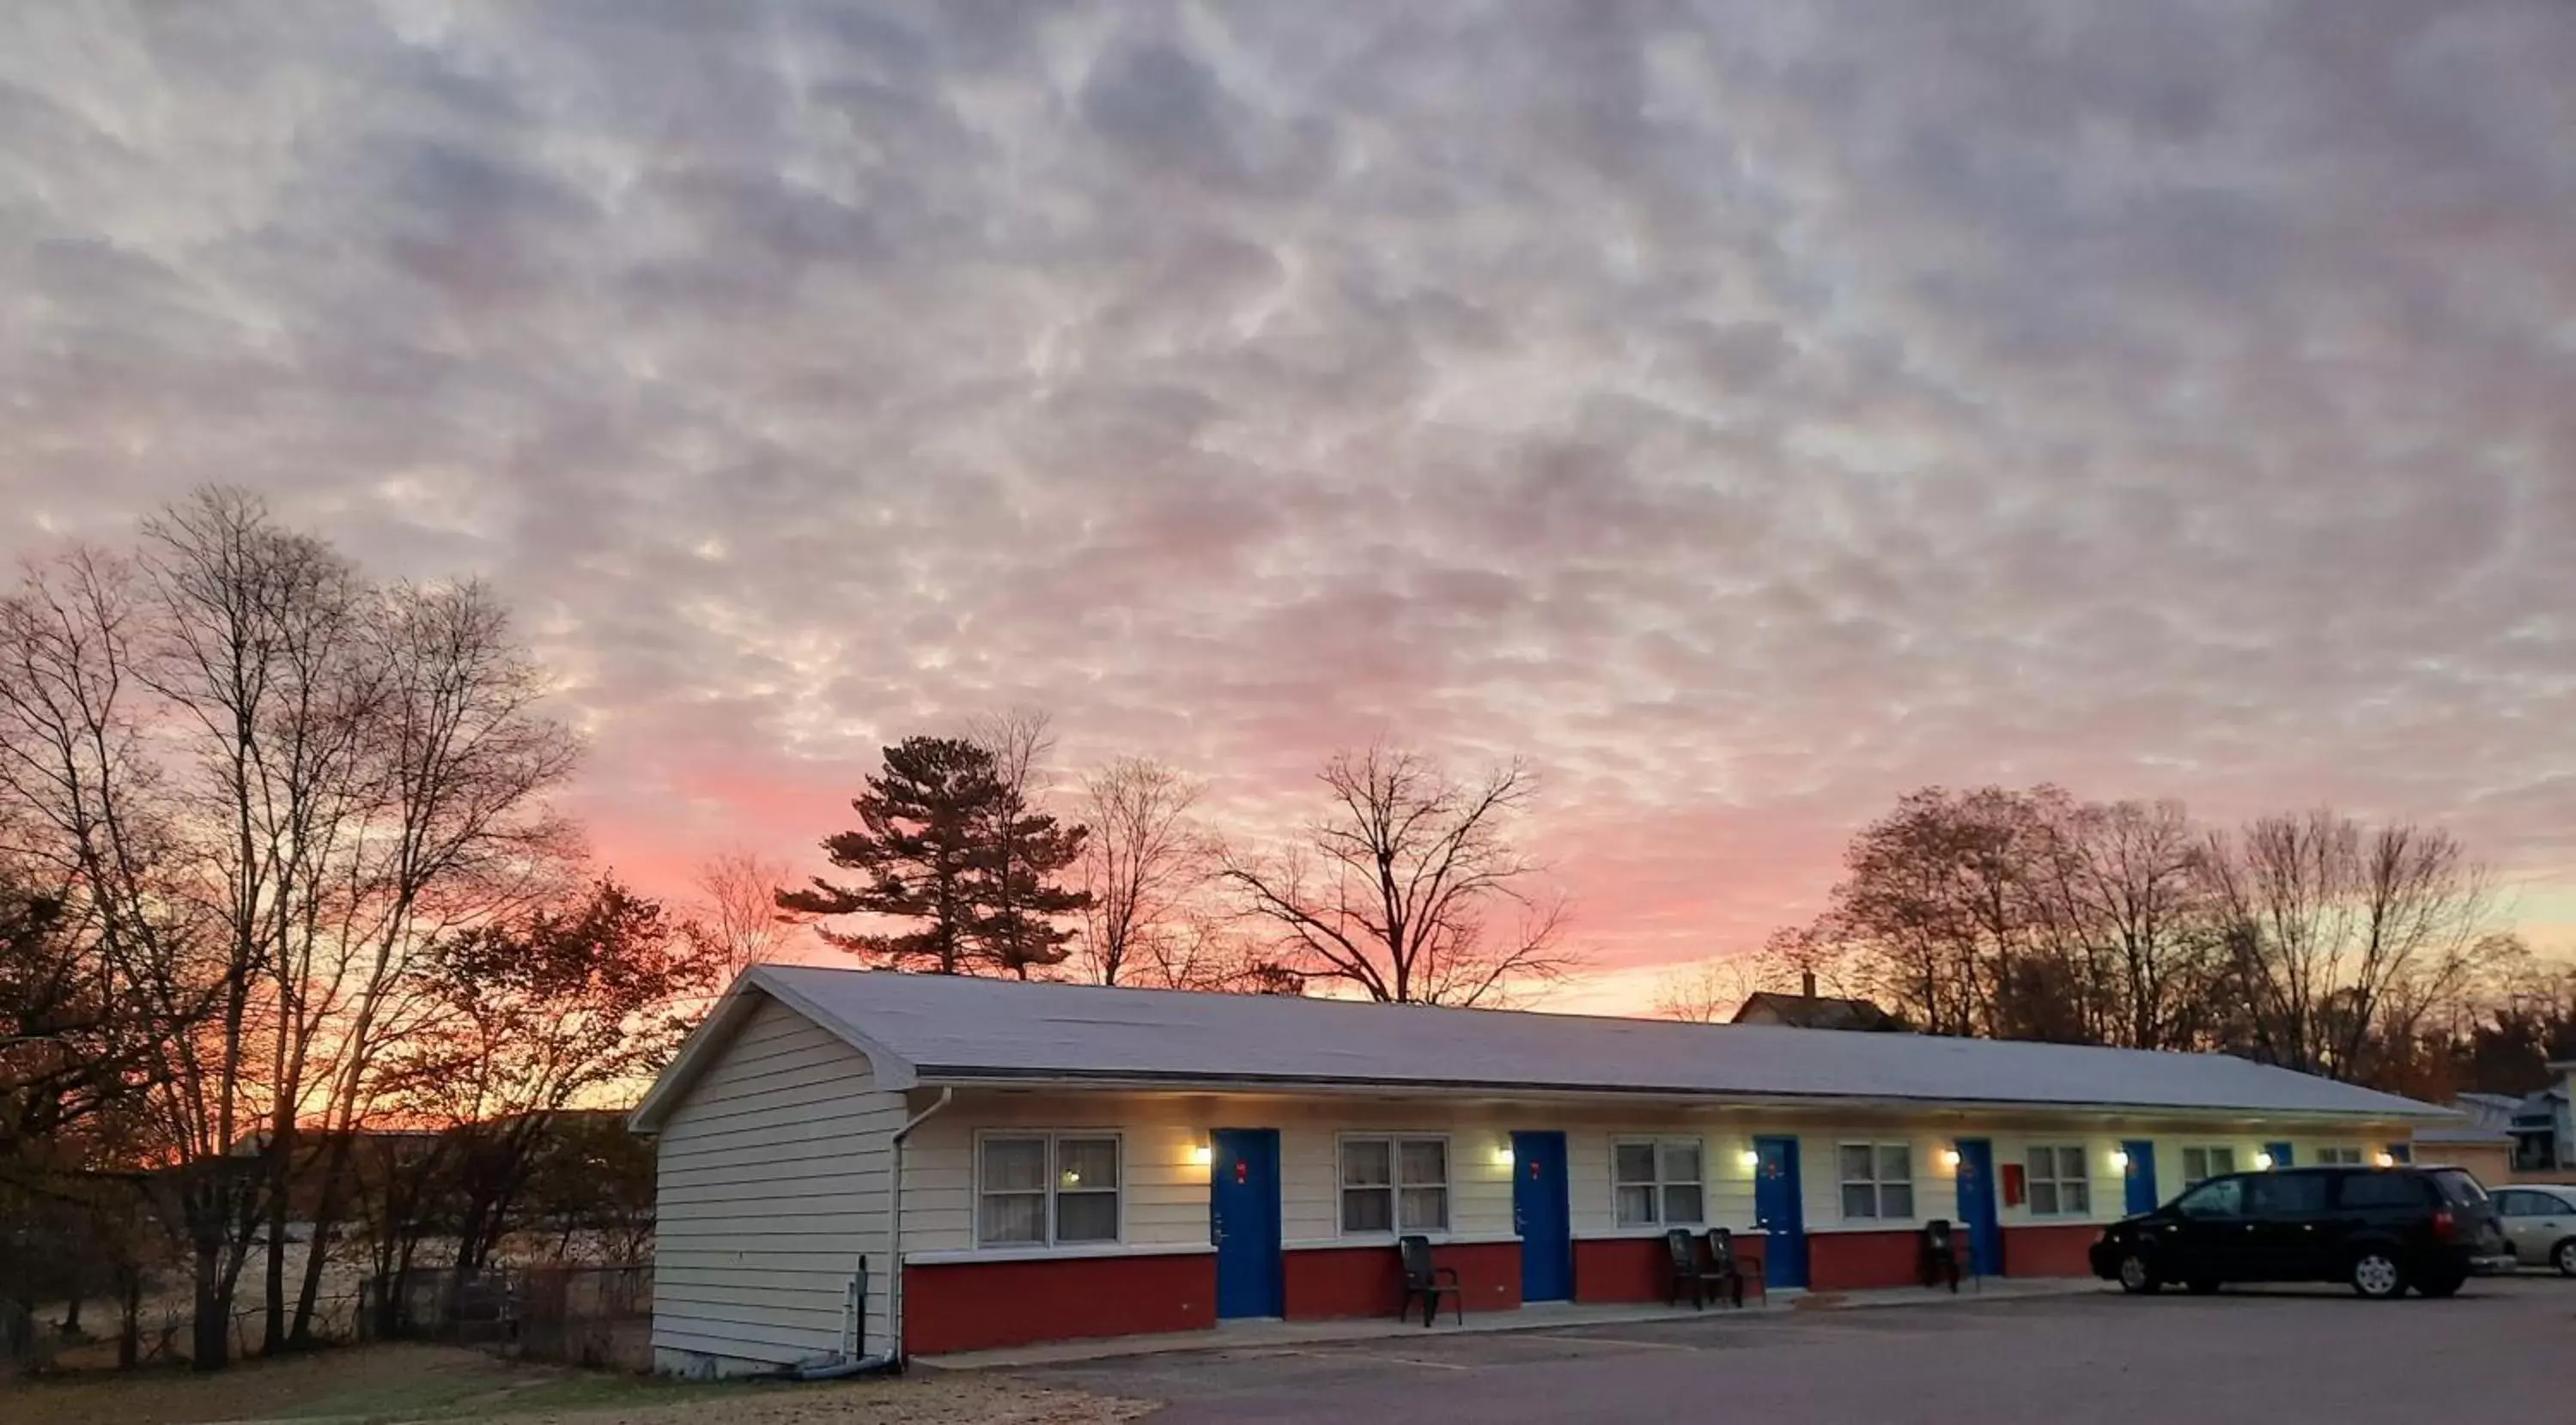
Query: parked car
point(2539, 1222)
point(2380, 1229)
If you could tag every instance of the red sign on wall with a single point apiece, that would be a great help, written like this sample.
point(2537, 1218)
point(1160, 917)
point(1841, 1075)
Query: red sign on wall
point(2012, 1184)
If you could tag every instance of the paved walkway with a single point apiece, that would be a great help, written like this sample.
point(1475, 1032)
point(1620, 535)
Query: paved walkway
point(1548, 1316)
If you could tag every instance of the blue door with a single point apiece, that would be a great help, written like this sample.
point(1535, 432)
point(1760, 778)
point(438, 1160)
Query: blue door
point(2281, 1155)
point(2140, 1177)
point(2402, 1152)
point(1977, 1207)
point(1540, 1214)
point(1780, 1210)
point(1243, 1220)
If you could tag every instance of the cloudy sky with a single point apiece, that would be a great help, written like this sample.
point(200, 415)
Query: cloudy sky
point(1747, 411)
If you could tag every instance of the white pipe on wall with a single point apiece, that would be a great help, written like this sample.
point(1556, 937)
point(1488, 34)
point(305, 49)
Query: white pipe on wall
point(894, 1228)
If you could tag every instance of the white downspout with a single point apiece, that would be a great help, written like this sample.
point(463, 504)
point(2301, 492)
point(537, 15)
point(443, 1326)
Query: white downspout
point(894, 1229)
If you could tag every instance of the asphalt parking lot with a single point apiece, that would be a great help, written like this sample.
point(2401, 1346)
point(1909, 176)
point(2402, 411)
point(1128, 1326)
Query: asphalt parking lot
point(2501, 1350)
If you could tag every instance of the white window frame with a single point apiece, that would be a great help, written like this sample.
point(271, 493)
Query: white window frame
point(1878, 1185)
point(2057, 1180)
point(1395, 1185)
point(2339, 1155)
point(2208, 1169)
point(1052, 1236)
point(1658, 1185)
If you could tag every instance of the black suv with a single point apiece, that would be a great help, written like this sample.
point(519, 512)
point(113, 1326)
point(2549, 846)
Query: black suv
point(2381, 1229)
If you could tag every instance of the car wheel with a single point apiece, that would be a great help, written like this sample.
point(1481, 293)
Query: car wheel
point(2563, 1257)
point(2137, 1277)
point(2376, 1275)
point(2447, 1284)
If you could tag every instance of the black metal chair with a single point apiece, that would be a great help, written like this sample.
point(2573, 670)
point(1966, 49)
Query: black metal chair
point(1730, 1269)
point(1681, 1245)
point(1425, 1280)
point(1940, 1254)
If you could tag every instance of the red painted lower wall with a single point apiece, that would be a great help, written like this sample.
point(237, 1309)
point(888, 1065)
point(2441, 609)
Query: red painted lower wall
point(1638, 1268)
point(975, 1306)
point(1856, 1261)
point(2049, 1251)
point(1325, 1282)
point(1620, 1269)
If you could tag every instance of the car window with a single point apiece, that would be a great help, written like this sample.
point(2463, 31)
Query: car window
point(2515, 1204)
point(2214, 1201)
point(2458, 1187)
point(2286, 1195)
point(2382, 1190)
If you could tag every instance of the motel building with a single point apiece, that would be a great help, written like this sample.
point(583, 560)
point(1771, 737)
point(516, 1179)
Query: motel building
point(1048, 1162)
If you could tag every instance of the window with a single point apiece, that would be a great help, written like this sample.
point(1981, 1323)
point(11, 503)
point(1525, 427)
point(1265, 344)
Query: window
point(2512, 1203)
point(2382, 1190)
point(2202, 1164)
point(2339, 1157)
point(1044, 1189)
point(2060, 1184)
point(1878, 1180)
point(1658, 1182)
point(2221, 1201)
point(1394, 1185)
point(2459, 1187)
point(2286, 1194)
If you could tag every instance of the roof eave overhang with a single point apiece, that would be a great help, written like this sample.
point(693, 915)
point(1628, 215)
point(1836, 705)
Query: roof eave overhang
point(707, 1041)
point(953, 1076)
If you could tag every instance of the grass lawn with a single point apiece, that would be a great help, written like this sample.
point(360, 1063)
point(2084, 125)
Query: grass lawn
point(392, 1385)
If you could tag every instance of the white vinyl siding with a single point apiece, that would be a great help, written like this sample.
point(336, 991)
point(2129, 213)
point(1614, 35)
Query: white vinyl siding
point(1162, 1196)
point(772, 1183)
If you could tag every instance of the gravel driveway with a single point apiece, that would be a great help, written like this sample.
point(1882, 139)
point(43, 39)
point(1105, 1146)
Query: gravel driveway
point(2500, 1351)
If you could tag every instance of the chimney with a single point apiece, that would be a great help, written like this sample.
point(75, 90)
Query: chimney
point(1807, 984)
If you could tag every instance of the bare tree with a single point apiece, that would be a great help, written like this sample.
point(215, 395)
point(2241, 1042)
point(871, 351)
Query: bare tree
point(2339, 938)
point(1704, 991)
point(265, 782)
point(737, 920)
point(1145, 866)
point(1410, 888)
point(461, 834)
point(1026, 846)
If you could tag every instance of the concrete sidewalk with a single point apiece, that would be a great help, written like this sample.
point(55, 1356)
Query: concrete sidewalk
point(1545, 1316)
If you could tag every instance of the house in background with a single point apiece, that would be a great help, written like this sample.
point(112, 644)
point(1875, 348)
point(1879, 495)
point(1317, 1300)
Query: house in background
point(1809, 1010)
point(868, 1163)
point(2535, 1129)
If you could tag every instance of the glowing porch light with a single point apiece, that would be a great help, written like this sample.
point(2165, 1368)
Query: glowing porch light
point(1949, 1157)
point(1202, 1154)
point(2119, 1160)
point(1749, 1159)
point(2263, 1162)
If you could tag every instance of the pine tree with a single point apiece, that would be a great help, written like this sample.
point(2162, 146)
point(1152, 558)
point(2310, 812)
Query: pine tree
point(946, 843)
point(1028, 850)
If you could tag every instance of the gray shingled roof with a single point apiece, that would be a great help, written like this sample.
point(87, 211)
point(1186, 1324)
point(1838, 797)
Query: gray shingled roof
point(933, 1029)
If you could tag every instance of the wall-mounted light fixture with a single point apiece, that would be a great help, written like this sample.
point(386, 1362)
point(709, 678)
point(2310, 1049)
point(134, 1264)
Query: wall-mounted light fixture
point(1202, 1154)
point(2262, 1162)
point(1949, 1157)
point(1749, 1159)
point(2119, 1160)
point(2387, 1160)
point(1503, 1155)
